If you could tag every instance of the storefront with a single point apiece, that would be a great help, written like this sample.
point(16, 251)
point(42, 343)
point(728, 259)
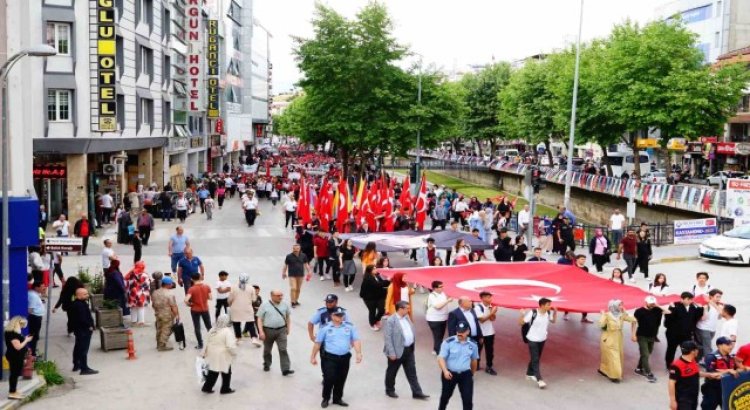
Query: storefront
point(734, 155)
point(50, 176)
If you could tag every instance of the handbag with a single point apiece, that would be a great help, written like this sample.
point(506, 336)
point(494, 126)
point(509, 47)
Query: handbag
point(201, 369)
point(179, 335)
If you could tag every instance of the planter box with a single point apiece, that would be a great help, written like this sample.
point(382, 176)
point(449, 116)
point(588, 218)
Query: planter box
point(97, 301)
point(113, 338)
point(108, 318)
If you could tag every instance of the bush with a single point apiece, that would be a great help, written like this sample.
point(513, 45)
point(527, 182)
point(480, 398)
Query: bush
point(48, 369)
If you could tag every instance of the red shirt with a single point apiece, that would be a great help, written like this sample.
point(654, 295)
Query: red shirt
point(321, 247)
point(431, 256)
point(199, 297)
point(629, 245)
point(743, 355)
point(84, 229)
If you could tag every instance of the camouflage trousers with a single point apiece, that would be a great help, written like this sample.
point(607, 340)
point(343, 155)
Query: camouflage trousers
point(163, 330)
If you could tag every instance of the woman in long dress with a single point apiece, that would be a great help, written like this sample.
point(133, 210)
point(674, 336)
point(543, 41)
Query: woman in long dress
point(241, 300)
point(139, 293)
point(221, 348)
point(612, 354)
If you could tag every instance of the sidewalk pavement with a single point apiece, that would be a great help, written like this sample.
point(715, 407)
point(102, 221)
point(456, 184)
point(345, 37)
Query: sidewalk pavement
point(25, 387)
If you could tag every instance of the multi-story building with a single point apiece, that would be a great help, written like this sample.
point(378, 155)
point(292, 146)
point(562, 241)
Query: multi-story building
point(141, 92)
point(721, 25)
point(261, 90)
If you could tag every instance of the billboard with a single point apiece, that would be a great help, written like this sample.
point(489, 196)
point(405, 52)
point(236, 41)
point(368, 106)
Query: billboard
point(694, 230)
point(106, 50)
point(195, 56)
point(738, 200)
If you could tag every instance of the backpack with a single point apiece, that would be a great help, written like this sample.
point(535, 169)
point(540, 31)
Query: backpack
point(527, 326)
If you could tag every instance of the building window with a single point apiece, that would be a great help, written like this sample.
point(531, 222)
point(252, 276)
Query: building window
point(144, 10)
point(121, 112)
point(119, 8)
point(145, 62)
point(166, 113)
point(58, 105)
point(717, 39)
point(58, 37)
point(166, 69)
point(120, 55)
point(147, 111)
point(234, 67)
point(179, 89)
point(234, 12)
point(236, 38)
point(166, 24)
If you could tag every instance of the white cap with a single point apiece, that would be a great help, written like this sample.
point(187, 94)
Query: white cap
point(650, 300)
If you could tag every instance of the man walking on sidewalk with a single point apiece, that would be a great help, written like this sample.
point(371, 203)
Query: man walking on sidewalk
point(273, 320)
point(399, 339)
point(295, 266)
point(145, 226)
point(628, 250)
point(83, 230)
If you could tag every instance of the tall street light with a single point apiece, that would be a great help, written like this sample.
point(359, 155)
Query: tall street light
point(571, 139)
point(42, 50)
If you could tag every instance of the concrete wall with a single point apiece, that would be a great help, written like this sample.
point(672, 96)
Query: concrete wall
point(77, 198)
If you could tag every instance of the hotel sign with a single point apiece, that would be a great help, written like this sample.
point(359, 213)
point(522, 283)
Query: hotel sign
point(195, 53)
point(105, 57)
point(212, 57)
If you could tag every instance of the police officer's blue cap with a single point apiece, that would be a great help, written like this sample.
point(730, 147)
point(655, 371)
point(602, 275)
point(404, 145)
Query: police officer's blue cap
point(331, 298)
point(339, 311)
point(462, 326)
point(723, 341)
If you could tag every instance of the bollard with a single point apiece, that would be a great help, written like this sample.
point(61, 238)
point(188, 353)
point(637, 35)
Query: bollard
point(131, 345)
point(28, 366)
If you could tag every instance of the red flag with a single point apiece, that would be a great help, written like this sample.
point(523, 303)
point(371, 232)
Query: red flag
point(303, 205)
point(343, 210)
point(405, 198)
point(422, 204)
point(521, 285)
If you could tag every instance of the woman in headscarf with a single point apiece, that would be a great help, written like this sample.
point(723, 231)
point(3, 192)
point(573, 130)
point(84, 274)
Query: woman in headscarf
point(139, 294)
point(114, 286)
point(599, 249)
point(398, 290)
point(221, 347)
point(241, 300)
point(612, 355)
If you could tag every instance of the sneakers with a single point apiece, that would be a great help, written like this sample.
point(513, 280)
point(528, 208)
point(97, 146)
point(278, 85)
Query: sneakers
point(322, 278)
point(632, 280)
point(256, 342)
point(532, 378)
point(541, 384)
point(639, 372)
point(375, 328)
point(346, 289)
point(651, 378)
point(16, 396)
point(328, 277)
point(491, 371)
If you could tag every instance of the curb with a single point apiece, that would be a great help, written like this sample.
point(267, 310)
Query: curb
point(675, 259)
point(36, 383)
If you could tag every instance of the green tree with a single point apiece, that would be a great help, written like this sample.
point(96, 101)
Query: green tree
point(483, 106)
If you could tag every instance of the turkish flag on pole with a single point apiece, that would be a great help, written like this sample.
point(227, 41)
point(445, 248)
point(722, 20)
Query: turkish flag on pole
point(520, 285)
point(405, 198)
point(343, 209)
point(421, 206)
point(303, 205)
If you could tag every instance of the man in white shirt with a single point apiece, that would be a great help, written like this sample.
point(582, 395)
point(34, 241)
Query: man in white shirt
point(706, 327)
point(701, 287)
point(486, 313)
point(223, 287)
point(108, 254)
point(538, 321)
point(616, 224)
point(62, 226)
point(290, 210)
point(728, 324)
point(399, 349)
point(524, 219)
point(107, 204)
point(459, 208)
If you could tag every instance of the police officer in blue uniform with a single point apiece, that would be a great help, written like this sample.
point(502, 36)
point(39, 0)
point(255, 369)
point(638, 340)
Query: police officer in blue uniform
point(322, 316)
point(458, 360)
point(337, 339)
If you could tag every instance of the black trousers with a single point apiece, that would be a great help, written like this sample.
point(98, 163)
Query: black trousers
point(673, 342)
point(535, 353)
point(349, 281)
point(642, 262)
point(197, 316)
point(375, 309)
point(81, 349)
point(465, 382)
point(250, 216)
point(599, 262)
point(335, 372)
point(84, 244)
point(219, 304)
point(410, 370)
point(213, 376)
point(58, 271)
point(221, 201)
point(16, 368)
point(320, 265)
point(249, 327)
point(711, 396)
point(203, 204)
point(438, 334)
point(438, 222)
point(290, 216)
point(145, 234)
point(489, 350)
point(35, 326)
point(335, 269)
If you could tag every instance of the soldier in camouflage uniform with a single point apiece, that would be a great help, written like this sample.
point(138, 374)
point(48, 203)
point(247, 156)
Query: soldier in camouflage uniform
point(165, 310)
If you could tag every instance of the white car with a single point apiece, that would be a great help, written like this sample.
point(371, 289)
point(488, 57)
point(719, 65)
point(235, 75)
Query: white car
point(720, 178)
point(732, 247)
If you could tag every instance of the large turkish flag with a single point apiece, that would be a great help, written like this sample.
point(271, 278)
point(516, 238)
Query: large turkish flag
point(519, 285)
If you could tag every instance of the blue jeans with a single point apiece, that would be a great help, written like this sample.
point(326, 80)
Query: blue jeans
point(176, 258)
point(616, 237)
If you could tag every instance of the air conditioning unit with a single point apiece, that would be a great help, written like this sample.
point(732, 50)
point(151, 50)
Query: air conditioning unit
point(113, 169)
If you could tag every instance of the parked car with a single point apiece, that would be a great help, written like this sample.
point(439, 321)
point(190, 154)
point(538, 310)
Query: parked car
point(732, 247)
point(192, 202)
point(720, 178)
point(656, 177)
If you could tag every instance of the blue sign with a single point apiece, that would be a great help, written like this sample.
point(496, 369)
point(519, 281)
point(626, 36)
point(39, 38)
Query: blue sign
point(735, 392)
point(694, 230)
point(696, 14)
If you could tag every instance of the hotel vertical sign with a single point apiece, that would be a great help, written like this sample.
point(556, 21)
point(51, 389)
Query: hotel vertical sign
point(106, 66)
point(212, 57)
point(195, 56)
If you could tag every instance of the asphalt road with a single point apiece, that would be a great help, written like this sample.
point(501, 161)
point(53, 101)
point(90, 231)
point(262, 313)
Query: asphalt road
point(167, 380)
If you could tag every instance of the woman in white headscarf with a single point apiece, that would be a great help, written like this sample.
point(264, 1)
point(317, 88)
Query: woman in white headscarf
point(221, 347)
point(241, 300)
point(612, 354)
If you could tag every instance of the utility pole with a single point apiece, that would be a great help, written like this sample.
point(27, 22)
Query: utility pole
point(571, 138)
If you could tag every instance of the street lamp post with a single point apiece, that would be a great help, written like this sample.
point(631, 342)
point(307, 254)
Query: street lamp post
point(571, 139)
point(36, 51)
point(419, 127)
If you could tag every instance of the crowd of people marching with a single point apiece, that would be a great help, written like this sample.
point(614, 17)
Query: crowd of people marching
point(318, 205)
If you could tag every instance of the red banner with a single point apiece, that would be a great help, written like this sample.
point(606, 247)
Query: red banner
point(520, 285)
point(726, 148)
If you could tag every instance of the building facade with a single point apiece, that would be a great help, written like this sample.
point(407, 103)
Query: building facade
point(142, 92)
point(721, 25)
